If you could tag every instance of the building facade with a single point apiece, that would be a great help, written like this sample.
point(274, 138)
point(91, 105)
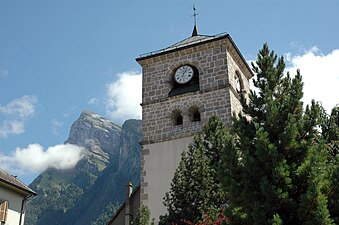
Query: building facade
point(13, 197)
point(182, 86)
point(129, 209)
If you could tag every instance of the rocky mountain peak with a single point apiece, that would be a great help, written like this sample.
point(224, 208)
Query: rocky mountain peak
point(100, 136)
point(98, 121)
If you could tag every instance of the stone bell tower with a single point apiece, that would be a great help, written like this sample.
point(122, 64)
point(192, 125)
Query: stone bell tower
point(182, 86)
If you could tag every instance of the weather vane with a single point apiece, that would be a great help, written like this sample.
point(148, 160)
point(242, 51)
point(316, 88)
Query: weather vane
point(195, 30)
point(195, 15)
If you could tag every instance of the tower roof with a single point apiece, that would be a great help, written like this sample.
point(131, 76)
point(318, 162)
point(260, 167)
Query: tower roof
point(195, 31)
point(194, 39)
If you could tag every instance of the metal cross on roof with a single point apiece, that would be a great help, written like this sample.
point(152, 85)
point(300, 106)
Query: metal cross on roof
point(195, 15)
point(195, 30)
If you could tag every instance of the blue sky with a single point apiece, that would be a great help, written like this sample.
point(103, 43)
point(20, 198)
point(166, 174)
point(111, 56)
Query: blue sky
point(59, 58)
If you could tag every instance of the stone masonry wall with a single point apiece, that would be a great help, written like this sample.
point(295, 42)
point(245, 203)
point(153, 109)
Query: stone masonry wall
point(211, 61)
point(234, 67)
point(208, 58)
point(158, 122)
point(163, 141)
point(217, 63)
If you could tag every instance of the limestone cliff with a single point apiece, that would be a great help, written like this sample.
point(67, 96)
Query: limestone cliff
point(97, 134)
point(91, 191)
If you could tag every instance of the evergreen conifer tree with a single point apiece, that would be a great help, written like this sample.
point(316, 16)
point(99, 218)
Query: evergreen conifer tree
point(275, 169)
point(279, 163)
point(195, 188)
point(330, 129)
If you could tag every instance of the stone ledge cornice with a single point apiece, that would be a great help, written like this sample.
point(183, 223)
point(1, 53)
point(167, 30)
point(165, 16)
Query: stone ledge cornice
point(184, 95)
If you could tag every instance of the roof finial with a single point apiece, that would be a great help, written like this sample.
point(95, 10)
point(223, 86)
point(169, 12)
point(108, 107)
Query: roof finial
point(195, 31)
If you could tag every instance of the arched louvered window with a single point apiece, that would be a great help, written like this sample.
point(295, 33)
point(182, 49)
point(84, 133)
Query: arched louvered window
point(195, 114)
point(177, 117)
point(238, 82)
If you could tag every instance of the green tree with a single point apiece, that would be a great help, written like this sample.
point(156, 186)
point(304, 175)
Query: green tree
point(143, 216)
point(276, 168)
point(195, 188)
point(330, 128)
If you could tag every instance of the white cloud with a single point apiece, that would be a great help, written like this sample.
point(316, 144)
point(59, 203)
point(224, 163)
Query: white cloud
point(34, 159)
point(11, 127)
point(93, 101)
point(56, 125)
point(21, 107)
point(15, 114)
point(3, 72)
point(320, 74)
point(124, 97)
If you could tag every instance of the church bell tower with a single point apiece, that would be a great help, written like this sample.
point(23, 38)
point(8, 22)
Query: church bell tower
point(182, 86)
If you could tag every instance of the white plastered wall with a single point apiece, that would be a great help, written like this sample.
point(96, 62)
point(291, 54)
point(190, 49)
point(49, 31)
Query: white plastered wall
point(14, 206)
point(160, 164)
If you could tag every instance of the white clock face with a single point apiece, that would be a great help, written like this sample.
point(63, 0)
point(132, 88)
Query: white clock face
point(183, 74)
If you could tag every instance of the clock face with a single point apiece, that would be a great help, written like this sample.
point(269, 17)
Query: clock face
point(183, 74)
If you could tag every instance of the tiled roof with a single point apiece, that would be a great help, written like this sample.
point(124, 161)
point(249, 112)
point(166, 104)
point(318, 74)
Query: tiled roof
point(14, 182)
point(190, 40)
point(186, 42)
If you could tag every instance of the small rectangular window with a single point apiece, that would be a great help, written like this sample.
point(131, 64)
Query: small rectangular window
point(3, 211)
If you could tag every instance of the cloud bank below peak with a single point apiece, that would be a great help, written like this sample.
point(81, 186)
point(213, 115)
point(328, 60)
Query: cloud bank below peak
point(34, 159)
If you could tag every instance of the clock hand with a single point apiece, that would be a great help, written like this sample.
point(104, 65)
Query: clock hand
point(185, 70)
